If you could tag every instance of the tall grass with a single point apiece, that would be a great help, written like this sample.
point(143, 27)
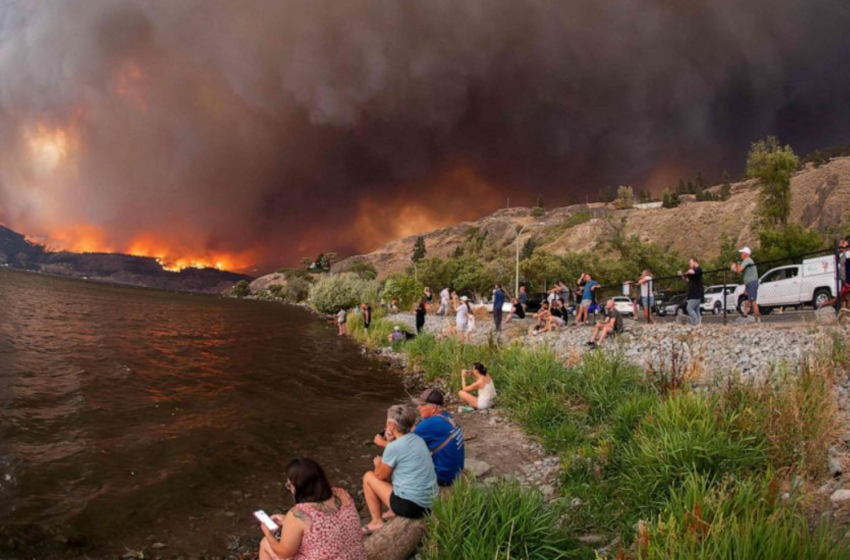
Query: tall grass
point(502, 521)
point(735, 519)
point(635, 448)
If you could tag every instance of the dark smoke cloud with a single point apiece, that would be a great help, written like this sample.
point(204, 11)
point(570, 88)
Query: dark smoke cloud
point(284, 126)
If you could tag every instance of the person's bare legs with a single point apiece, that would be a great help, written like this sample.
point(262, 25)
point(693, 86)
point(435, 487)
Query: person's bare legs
point(605, 330)
point(596, 328)
point(377, 493)
point(755, 307)
point(468, 398)
point(266, 552)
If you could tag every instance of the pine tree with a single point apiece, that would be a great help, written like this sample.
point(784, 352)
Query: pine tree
point(418, 249)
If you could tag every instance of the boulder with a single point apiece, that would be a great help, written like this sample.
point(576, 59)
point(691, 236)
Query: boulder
point(840, 496)
point(477, 468)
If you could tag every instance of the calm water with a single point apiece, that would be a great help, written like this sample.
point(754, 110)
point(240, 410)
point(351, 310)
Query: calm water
point(119, 406)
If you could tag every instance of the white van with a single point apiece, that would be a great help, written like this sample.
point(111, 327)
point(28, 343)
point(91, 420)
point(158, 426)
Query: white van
point(811, 283)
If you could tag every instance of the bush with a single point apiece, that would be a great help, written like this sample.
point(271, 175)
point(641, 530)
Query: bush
point(743, 519)
point(337, 291)
point(241, 289)
point(500, 521)
point(404, 289)
point(625, 198)
point(683, 435)
point(443, 359)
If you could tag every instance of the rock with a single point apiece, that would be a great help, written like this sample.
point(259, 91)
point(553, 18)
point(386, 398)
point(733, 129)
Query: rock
point(477, 468)
point(591, 539)
point(547, 490)
point(834, 464)
point(840, 496)
point(158, 546)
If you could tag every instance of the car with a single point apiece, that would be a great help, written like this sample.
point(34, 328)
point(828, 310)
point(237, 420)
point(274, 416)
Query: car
point(507, 307)
point(673, 306)
point(713, 300)
point(811, 283)
point(624, 305)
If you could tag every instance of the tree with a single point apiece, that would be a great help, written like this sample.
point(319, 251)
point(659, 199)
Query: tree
point(418, 249)
point(670, 199)
point(342, 291)
point(241, 289)
point(726, 188)
point(625, 197)
point(682, 188)
point(644, 196)
point(607, 194)
point(772, 165)
point(528, 248)
point(362, 268)
point(793, 240)
point(539, 209)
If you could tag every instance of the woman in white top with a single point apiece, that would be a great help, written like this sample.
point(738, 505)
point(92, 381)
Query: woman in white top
point(483, 384)
point(462, 318)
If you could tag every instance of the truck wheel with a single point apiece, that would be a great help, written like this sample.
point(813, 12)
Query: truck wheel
point(821, 296)
point(741, 301)
point(717, 309)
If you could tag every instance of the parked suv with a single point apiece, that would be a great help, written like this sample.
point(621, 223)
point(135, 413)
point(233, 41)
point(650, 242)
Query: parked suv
point(713, 300)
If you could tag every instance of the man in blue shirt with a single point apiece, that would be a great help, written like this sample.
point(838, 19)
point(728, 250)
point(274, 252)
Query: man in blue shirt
point(498, 302)
point(443, 437)
point(588, 286)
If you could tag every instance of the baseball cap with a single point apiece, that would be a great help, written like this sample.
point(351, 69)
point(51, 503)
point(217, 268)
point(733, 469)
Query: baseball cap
point(430, 396)
point(745, 250)
point(464, 298)
point(396, 328)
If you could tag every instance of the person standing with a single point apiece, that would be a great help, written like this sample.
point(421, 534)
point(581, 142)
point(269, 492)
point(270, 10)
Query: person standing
point(341, 318)
point(428, 295)
point(421, 312)
point(498, 302)
point(696, 291)
point(445, 297)
point(366, 313)
point(588, 286)
point(462, 318)
point(647, 298)
point(747, 267)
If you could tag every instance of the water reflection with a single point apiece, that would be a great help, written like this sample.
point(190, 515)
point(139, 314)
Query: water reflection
point(118, 404)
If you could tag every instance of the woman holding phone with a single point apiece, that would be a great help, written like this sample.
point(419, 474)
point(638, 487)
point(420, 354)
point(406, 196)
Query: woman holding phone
point(323, 524)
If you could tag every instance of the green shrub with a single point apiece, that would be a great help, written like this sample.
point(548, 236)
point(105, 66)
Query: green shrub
point(444, 358)
point(404, 289)
point(734, 519)
point(497, 522)
point(682, 436)
point(336, 291)
point(241, 289)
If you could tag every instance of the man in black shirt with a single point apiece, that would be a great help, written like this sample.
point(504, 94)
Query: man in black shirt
point(614, 324)
point(696, 291)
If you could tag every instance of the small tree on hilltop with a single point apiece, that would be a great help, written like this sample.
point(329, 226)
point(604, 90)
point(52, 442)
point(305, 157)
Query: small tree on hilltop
point(418, 249)
point(726, 188)
point(772, 165)
point(670, 199)
point(625, 198)
point(539, 209)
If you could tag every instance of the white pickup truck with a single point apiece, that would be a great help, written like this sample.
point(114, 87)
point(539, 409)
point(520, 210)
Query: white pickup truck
point(811, 283)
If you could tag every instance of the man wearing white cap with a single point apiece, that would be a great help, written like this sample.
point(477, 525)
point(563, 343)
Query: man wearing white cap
point(747, 267)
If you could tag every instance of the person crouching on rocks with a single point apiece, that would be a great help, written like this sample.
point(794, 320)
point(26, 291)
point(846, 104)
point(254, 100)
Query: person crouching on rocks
point(442, 435)
point(404, 479)
point(614, 324)
point(323, 525)
point(483, 383)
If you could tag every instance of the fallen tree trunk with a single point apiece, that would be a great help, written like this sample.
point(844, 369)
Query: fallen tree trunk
point(397, 539)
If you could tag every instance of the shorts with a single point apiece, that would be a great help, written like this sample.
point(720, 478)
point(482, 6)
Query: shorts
point(558, 321)
point(647, 302)
point(585, 303)
point(753, 291)
point(406, 508)
point(462, 326)
point(845, 291)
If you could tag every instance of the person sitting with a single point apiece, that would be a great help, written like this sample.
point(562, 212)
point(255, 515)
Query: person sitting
point(442, 435)
point(404, 479)
point(483, 384)
point(517, 311)
point(398, 335)
point(613, 324)
point(542, 317)
point(323, 525)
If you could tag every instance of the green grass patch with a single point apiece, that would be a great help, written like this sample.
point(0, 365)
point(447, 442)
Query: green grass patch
point(496, 522)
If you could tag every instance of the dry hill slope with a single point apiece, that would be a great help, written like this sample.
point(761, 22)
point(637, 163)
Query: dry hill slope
point(820, 199)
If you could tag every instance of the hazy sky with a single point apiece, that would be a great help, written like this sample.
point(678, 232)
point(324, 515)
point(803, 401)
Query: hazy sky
point(260, 131)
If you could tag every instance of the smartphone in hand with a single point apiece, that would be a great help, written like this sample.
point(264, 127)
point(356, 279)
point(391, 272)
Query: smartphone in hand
point(263, 518)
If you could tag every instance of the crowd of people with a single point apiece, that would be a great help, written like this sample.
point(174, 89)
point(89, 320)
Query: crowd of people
point(418, 460)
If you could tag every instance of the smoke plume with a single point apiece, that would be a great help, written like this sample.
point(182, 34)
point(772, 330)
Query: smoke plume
point(253, 133)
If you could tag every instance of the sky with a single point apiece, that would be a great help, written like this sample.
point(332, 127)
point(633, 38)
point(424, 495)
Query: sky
point(251, 134)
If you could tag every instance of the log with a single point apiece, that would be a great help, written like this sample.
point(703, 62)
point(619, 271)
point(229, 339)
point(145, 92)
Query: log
point(396, 540)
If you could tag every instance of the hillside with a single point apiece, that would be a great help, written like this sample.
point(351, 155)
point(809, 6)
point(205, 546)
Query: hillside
point(116, 268)
point(820, 199)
